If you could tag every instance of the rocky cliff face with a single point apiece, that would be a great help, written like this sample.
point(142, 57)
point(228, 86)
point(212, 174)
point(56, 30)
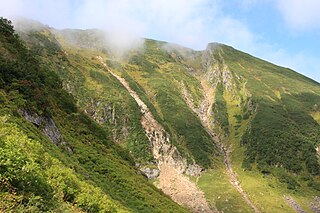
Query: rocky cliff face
point(151, 173)
point(48, 127)
point(163, 151)
point(216, 71)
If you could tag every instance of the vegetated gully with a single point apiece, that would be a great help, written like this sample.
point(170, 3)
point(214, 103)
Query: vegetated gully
point(225, 151)
point(203, 114)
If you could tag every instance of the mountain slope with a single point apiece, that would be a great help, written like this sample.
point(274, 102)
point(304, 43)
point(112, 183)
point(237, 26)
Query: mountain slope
point(236, 123)
point(267, 125)
point(284, 102)
point(54, 157)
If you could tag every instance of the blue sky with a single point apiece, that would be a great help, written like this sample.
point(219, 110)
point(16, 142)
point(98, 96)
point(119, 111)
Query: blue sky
point(285, 32)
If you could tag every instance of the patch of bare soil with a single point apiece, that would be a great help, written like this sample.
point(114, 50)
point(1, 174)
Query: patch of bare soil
point(182, 190)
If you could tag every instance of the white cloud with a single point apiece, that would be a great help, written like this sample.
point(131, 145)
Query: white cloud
point(182, 21)
point(300, 14)
point(192, 23)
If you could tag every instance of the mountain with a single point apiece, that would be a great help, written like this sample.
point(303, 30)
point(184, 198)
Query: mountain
point(153, 127)
point(53, 156)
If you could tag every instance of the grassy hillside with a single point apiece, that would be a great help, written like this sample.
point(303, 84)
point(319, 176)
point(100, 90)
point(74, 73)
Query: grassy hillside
point(153, 74)
point(157, 72)
point(273, 130)
point(282, 133)
point(266, 116)
point(84, 171)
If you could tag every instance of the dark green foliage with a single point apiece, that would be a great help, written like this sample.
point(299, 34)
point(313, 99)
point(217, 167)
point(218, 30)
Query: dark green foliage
point(186, 127)
point(247, 164)
point(219, 109)
point(239, 118)
point(314, 184)
point(275, 139)
point(286, 178)
point(312, 164)
point(24, 74)
point(6, 27)
point(39, 40)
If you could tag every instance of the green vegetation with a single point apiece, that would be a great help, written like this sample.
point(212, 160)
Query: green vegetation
point(281, 136)
point(219, 191)
point(88, 172)
point(267, 115)
point(160, 76)
point(96, 91)
point(32, 180)
point(219, 109)
point(274, 137)
point(100, 95)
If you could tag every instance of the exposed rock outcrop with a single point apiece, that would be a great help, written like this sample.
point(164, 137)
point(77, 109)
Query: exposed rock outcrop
point(293, 204)
point(315, 205)
point(163, 151)
point(151, 173)
point(216, 71)
point(47, 125)
point(203, 110)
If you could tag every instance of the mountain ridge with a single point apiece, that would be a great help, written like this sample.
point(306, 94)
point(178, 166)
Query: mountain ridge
point(265, 116)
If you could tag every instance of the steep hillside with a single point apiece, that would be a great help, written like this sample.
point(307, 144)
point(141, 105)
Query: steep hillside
point(279, 104)
point(269, 112)
point(95, 79)
point(54, 157)
point(242, 130)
